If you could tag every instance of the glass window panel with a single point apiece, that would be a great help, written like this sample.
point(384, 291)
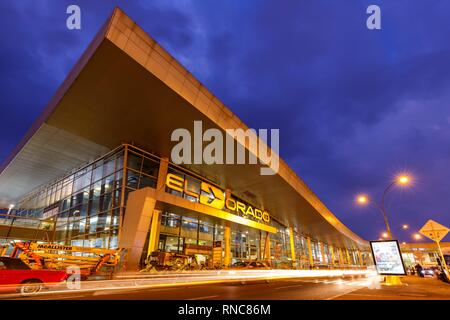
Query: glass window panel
point(108, 166)
point(101, 222)
point(93, 224)
point(118, 181)
point(65, 204)
point(115, 218)
point(147, 181)
point(82, 181)
point(119, 161)
point(171, 244)
point(82, 226)
point(189, 224)
point(94, 205)
point(190, 241)
point(105, 201)
point(150, 167)
point(108, 183)
point(98, 172)
point(83, 210)
point(134, 161)
point(171, 220)
point(116, 198)
point(132, 179)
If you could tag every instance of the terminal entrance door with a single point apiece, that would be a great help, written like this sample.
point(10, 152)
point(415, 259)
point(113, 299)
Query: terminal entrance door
point(245, 245)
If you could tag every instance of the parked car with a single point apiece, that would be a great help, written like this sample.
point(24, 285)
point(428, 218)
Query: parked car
point(430, 271)
point(256, 265)
point(250, 265)
point(239, 264)
point(17, 276)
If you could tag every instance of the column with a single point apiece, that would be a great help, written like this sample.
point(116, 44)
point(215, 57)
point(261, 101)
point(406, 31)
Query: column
point(136, 222)
point(162, 173)
point(292, 242)
point(267, 255)
point(330, 247)
point(322, 250)
point(349, 260)
point(227, 243)
point(311, 260)
point(361, 261)
point(154, 232)
point(341, 257)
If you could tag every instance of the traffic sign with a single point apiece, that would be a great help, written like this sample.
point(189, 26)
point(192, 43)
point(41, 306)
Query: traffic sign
point(434, 231)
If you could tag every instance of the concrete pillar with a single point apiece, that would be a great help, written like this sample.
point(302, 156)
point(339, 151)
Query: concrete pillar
point(138, 214)
point(322, 251)
point(292, 243)
point(361, 261)
point(349, 260)
point(154, 232)
point(162, 173)
point(341, 257)
point(311, 259)
point(267, 254)
point(330, 247)
point(227, 243)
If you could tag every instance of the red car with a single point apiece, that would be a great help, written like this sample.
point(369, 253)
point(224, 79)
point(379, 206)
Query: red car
point(16, 276)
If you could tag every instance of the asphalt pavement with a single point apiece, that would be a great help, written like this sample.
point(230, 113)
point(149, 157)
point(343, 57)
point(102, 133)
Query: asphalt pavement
point(303, 289)
point(357, 288)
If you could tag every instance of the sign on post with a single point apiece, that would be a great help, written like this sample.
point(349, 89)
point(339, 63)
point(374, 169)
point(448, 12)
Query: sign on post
point(434, 231)
point(388, 257)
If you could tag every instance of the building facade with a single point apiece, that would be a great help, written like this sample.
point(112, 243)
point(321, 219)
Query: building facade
point(106, 180)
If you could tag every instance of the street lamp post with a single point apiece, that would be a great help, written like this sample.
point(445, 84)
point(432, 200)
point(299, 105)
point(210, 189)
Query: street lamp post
point(402, 180)
point(363, 199)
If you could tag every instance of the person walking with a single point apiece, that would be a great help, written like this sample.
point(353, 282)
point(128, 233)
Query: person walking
point(419, 270)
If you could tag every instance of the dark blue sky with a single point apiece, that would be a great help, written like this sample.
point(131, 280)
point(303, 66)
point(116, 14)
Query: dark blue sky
point(354, 106)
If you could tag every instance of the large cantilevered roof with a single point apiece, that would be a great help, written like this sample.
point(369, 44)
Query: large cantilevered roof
point(127, 89)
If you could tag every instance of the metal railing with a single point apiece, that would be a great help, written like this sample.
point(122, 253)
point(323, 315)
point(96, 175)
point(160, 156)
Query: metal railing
point(26, 228)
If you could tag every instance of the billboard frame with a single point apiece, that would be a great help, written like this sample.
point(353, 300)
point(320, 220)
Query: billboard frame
point(401, 258)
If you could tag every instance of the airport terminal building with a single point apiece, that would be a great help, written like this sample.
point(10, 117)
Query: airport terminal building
point(95, 170)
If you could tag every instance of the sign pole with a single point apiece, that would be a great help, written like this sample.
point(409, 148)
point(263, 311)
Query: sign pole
point(444, 264)
point(436, 232)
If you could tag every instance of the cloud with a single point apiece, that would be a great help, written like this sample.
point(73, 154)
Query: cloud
point(354, 106)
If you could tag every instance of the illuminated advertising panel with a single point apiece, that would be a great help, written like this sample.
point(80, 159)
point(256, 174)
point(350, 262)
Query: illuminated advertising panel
point(387, 257)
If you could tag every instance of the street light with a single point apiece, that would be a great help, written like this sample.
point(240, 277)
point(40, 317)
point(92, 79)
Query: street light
point(403, 179)
point(417, 236)
point(405, 227)
point(400, 180)
point(362, 199)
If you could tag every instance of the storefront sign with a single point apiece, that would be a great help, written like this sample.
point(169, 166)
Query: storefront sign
point(216, 198)
point(387, 257)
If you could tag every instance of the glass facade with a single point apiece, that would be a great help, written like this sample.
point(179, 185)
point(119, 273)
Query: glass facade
point(87, 205)
point(86, 208)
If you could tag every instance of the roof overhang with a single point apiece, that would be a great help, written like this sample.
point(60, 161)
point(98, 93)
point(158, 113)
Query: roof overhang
point(127, 89)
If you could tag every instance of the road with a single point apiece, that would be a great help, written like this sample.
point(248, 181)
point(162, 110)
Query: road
point(303, 289)
point(354, 287)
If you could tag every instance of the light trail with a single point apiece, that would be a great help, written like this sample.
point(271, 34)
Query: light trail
point(140, 281)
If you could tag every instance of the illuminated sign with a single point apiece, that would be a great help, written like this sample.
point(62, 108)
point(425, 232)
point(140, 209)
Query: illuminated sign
point(215, 197)
point(387, 257)
point(52, 247)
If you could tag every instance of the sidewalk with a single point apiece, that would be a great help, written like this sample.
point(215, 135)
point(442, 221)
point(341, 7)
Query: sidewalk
point(413, 288)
